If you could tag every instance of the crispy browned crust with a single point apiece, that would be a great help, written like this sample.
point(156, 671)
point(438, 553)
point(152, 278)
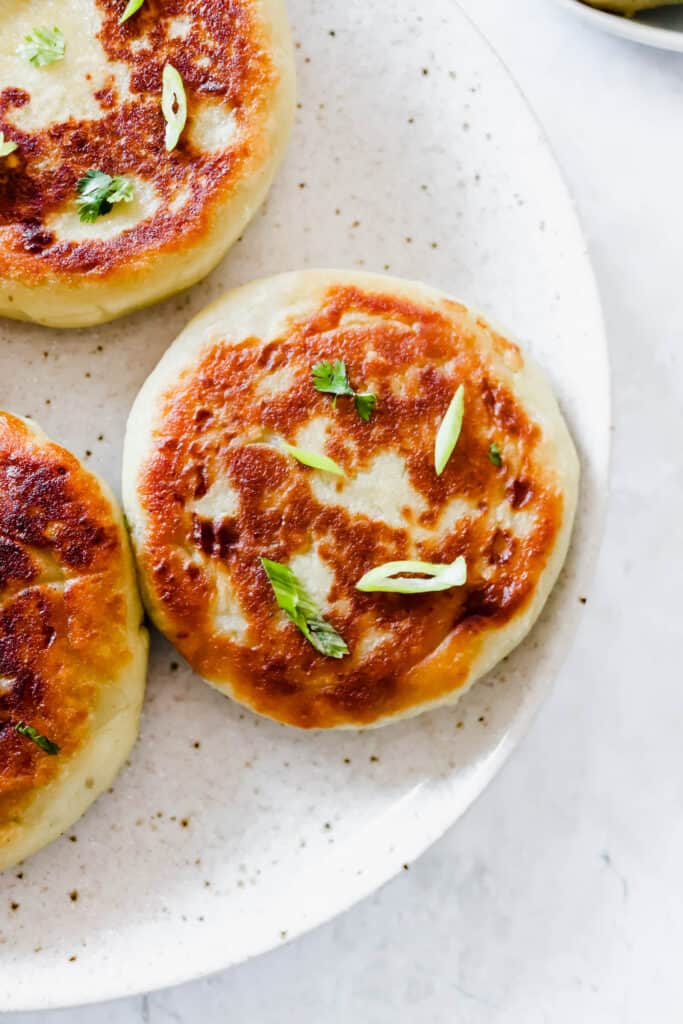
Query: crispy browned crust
point(63, 609)
point(415, 356)
point(128, 138)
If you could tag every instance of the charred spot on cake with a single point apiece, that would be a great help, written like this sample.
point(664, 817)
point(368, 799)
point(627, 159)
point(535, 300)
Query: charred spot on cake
point(501, 548)
point(519, 493)
point(36, 239)
point(215, 537)
point(107, 96)
point(13, 97)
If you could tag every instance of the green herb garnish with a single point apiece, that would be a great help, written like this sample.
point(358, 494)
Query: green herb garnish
point(313, 460)
point(42, 46)
point(391, 578)
point(449, 431)
point(365, 406)
point(6, 145)
point(41, 741)
point(332, 379)
point(97, 193)
point(297, 604)
point(173, 105)
point(132, 8)
point(495, 455)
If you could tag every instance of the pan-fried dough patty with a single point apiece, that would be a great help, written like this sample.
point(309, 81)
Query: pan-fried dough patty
point(73, 652)
point(210, 490)
point(98, 107)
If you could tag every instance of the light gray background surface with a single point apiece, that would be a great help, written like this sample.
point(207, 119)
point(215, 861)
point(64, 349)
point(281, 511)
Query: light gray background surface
point(559, 896)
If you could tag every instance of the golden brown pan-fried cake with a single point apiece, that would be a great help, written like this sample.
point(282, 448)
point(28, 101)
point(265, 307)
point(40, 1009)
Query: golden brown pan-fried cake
point(73, 652)
point(82, 100)
point(447, 448)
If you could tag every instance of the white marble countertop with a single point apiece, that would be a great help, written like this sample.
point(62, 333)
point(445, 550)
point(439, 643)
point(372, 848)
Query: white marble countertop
point(558, 896)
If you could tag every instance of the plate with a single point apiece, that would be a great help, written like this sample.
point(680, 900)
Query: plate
point(227, 835)
point(661, 28)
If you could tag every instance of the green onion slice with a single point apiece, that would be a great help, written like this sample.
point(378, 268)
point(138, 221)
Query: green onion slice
point(449, 431)
point(442, 577)
point(132, 8)
point(173, 105)
point(313, 460)
point(299, 606)
point(6, 145)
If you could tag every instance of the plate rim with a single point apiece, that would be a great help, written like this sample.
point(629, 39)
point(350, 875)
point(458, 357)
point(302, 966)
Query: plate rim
point(627, 28)
point(454, 806)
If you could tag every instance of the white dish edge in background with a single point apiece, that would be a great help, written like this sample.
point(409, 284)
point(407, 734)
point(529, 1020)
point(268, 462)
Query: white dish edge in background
point(480, 183)
point(628, 28)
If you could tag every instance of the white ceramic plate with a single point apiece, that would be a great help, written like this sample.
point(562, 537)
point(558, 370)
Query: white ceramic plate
point(227, 834)
point(661, 28)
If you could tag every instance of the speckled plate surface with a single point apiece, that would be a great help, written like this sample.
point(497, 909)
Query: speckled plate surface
point(662, 28)
point(227, 834)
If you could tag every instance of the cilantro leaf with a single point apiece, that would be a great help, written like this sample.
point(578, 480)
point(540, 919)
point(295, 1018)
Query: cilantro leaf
point(97, 193)
point(333, 379)
point(298, 605)
point(365, 406)
point(42, 46)
point(41, 741)
point(495, 455)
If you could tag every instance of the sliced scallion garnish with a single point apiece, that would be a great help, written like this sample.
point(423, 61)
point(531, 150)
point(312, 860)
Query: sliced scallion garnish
point(132, 8)
point(173, 105)
point(6, 145)
point(392, 577)
point(313, 459)
point(299, 606)
point(449, 431)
